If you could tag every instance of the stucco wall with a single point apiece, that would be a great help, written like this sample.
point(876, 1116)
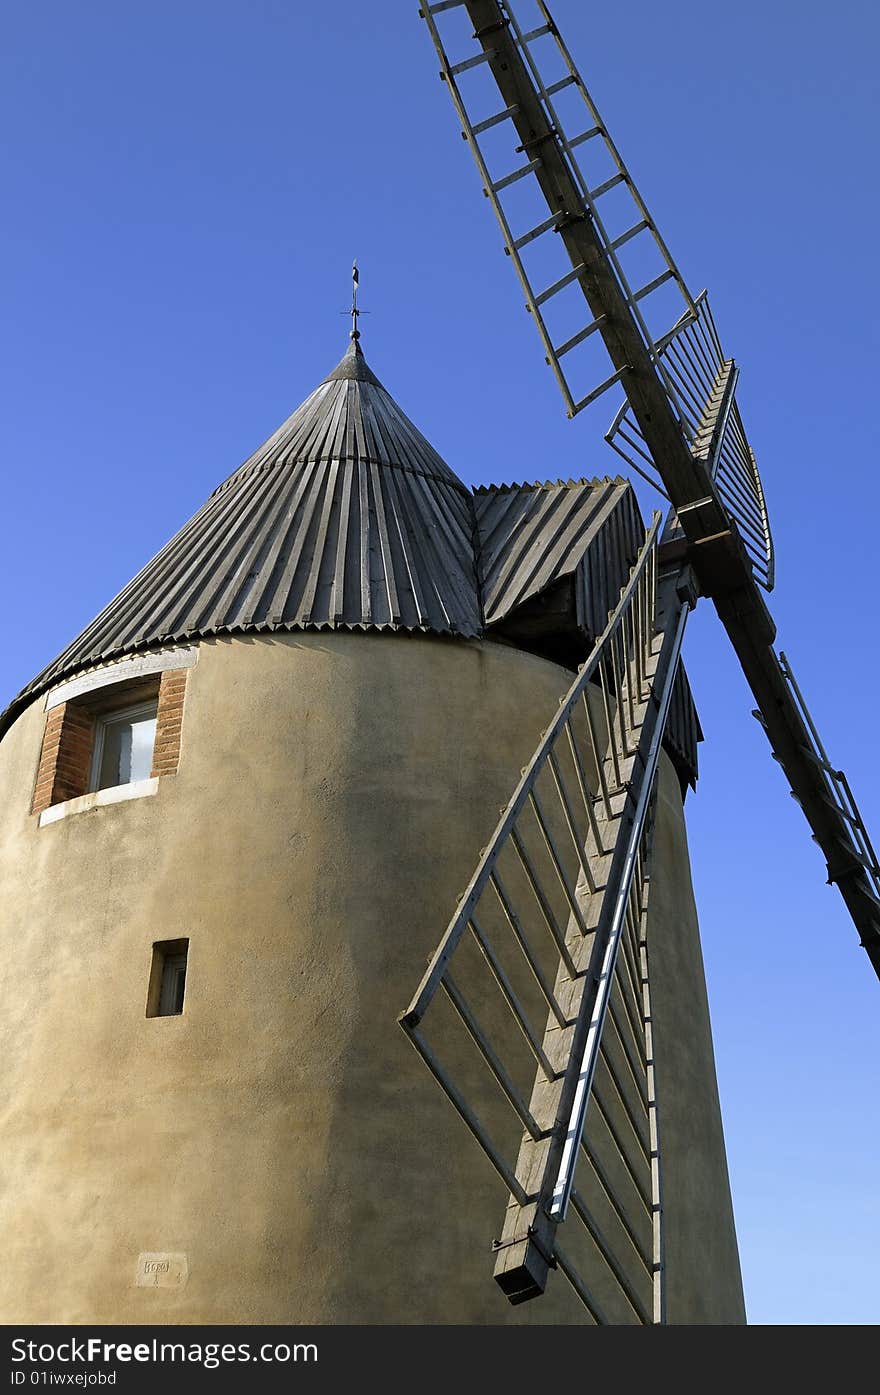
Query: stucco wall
point(703, 1282)
point(332, 796)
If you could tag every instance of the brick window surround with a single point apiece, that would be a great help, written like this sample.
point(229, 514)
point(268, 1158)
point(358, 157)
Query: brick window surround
point(69, 737)
point(169, 722)
point(66, 756)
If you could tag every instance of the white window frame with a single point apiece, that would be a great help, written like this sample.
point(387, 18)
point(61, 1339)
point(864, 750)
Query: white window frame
point(104, 719)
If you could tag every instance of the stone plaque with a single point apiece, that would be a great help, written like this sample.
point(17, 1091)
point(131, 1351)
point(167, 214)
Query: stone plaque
point(161, 1271)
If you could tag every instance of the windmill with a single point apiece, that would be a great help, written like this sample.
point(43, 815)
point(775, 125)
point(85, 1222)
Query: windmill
point(599, 283)
point(235, 804)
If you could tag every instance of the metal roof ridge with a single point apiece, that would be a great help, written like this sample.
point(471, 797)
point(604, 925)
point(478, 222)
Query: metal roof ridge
point(594, 482)
point(262, 467)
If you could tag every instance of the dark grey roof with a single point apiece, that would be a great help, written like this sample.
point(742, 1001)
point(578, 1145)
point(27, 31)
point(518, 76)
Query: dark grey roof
point(347, 518)
point(349, 416)
point(533, 534)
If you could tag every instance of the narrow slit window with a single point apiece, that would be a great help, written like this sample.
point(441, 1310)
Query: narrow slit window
point(167, 978)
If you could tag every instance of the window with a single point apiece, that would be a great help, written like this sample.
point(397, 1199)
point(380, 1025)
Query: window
point(108, 743)
point(124, 744)
point(167, 978)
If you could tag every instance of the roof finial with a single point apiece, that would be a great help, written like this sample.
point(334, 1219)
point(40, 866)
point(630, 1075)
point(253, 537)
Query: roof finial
point(355, 332)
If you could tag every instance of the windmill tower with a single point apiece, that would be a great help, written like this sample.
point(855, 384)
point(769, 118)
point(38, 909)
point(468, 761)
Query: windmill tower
point(234, 810)
point(239, 806)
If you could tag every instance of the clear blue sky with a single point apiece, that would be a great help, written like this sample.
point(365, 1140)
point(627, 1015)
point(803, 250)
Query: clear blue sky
point(186, 185)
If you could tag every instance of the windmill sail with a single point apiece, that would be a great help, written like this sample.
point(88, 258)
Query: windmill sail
point(706, 383)
point(554, 923)
point(681, 425)
point(598, 252)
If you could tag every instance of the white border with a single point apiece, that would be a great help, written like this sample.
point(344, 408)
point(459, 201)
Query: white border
point(116, 794)
point(139, 667)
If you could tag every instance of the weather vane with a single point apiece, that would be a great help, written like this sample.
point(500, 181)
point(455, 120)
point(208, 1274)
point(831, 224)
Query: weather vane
point(354, 311)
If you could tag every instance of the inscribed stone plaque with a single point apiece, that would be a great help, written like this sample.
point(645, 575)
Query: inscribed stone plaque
point(161, 1271)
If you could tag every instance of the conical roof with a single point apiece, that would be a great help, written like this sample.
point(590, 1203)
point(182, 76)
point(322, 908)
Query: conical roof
point(350, 416)
point(345, 517)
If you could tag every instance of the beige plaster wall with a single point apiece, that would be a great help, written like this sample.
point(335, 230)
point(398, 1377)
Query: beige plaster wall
point(703, 1281)
point(332, 796)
